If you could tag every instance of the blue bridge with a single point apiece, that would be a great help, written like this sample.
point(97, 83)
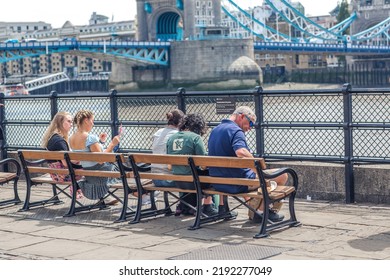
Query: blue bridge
point(157, 53)
point(311, 38)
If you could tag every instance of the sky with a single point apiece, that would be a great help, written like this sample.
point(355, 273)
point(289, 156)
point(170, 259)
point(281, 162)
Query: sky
point(78, 12)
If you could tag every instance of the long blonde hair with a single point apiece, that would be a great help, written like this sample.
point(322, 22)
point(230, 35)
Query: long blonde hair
point(56, 127)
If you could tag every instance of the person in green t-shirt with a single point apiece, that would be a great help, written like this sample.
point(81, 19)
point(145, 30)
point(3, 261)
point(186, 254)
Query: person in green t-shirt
point(188, 141)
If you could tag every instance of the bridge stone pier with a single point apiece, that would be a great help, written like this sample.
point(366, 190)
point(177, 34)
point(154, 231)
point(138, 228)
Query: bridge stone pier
point(214, 64)
point(196, 65)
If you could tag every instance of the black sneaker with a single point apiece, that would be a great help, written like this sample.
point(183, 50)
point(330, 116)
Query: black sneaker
point(222, 211)
point(274, 217)
point(209, 210)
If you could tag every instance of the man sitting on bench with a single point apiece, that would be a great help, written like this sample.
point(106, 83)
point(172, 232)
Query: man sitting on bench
point(228, 139)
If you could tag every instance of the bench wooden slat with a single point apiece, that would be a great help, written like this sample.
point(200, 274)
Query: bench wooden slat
point(248, 194)
point(161, 176)
point(35, 169)
point(41, 154)
point(152, 187)
point(161, 159)
point(5, 177)
point(131, 183)
point(97, 157)
point(229, 181)
point(48, 180)
point(97, 173)
point(228, 162)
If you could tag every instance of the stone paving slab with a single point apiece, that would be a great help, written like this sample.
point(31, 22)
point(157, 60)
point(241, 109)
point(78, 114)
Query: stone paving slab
point(328, 231)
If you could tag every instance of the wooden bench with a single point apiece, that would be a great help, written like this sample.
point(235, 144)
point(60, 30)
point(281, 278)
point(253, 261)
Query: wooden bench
point(6, 177)
point(121, 172)
point(194, 162)
point(35, 162)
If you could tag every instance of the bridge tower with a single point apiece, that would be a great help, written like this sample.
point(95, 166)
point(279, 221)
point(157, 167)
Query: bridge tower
point(176, 19)
point(370, 13)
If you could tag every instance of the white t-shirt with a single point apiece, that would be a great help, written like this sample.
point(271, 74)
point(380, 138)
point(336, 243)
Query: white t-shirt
point(160, 139)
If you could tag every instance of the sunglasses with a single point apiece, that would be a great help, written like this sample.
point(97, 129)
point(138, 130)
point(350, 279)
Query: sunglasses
point(251, 124)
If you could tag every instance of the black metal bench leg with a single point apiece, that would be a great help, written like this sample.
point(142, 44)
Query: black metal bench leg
point(26, 205)
point(125, 205)
point(72, 209)
point(167, 206)
point(263, 227)
point(137, 216)
point(16, 195)
point(291, 207)
point(198, 217)
point(15, 200)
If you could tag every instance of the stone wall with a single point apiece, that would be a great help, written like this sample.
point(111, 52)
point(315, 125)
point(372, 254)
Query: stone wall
point(213, 61)
point(325, 181)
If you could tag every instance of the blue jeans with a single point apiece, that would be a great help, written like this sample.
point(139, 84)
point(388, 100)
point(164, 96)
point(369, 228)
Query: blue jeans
point(164, 183)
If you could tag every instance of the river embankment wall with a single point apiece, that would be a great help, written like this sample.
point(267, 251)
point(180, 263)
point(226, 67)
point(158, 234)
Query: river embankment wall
point(326, 181)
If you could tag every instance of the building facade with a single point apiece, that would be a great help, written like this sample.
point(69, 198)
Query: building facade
point(177, 19)
point(98, 29)
point(370, 13)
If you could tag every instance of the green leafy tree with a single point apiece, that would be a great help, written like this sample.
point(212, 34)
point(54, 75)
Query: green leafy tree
point(342, 15)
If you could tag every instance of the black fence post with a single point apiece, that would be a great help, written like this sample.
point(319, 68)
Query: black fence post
point(259, 111)
point(3, 151)
point(53, 103)
point(114, 113)
point(181, 102)
point(348, 144)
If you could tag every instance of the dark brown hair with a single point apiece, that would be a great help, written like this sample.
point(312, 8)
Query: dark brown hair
point(175, 117)
point(195, 123)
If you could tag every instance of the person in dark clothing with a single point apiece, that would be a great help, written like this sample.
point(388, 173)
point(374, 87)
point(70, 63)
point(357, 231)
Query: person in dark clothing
point(228, 139)
point(56, 139)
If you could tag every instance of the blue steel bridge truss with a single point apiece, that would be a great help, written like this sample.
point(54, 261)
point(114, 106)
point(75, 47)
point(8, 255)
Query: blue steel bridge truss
point(155, 53)
point(308, 30)
point(313, 39)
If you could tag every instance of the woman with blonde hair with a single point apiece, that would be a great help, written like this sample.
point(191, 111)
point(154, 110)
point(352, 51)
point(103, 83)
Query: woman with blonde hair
point(56, 139)
point(57, 134)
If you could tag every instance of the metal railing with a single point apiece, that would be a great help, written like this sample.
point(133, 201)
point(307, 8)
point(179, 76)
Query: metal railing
point(345, 126)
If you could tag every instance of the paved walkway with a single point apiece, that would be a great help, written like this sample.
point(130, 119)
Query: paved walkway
point(328, 231)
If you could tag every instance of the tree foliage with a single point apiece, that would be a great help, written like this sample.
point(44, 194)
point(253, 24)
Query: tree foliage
point(343, 11)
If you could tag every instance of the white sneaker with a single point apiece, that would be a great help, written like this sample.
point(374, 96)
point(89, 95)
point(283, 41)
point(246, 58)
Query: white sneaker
point(145, 201)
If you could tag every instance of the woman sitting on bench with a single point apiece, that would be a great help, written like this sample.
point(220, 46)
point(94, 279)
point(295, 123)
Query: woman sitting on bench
point(84, 141)
point(56, 139)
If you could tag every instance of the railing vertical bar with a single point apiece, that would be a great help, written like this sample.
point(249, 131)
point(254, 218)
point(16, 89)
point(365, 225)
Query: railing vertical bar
point(348, 141)
point(259, 111)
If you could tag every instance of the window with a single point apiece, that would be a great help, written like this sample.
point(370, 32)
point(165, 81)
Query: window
point(366, 2)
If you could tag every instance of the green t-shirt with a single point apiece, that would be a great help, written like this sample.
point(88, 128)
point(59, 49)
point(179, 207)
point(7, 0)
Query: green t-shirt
point(185, 143)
